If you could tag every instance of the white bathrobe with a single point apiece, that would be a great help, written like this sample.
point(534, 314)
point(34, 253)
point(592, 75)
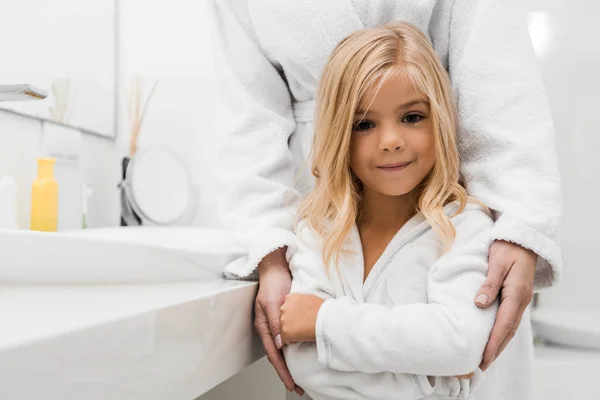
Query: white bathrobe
point(412, 318)
point(270, 55)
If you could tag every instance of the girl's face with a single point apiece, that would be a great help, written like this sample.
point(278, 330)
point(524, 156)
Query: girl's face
point(392, 147)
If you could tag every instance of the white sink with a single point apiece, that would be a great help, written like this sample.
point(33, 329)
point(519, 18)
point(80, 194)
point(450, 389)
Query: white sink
point(121, 313)
point(115, 255)
point(121, 342)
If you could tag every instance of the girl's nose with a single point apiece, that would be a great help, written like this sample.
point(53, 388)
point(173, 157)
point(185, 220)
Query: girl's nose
point(391, 139)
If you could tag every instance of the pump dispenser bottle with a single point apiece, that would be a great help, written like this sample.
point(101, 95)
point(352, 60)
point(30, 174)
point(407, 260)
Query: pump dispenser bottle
point(44, 198)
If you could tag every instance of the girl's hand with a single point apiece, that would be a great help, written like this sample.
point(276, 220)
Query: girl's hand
point(511, 272)
point(299, 317)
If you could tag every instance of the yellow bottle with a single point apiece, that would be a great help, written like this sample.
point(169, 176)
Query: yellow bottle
point(44, 198)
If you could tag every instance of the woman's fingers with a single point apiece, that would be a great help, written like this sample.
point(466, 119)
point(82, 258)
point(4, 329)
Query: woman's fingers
point(507, 320)
point(273, 313)
point(522, 297)
point(517, 289)
point(274, 354)
point(275, 282)
point(499, 266)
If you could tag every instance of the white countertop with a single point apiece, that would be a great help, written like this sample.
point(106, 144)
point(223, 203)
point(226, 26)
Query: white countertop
point(160, 341)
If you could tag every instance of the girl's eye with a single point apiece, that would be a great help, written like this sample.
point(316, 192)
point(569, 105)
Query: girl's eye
point(363, 126)
point(412, 118)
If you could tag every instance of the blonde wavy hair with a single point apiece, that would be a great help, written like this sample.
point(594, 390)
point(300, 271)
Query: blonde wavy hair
point(362, 61)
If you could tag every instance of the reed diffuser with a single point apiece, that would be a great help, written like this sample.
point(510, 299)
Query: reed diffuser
point(137, 111)
point(137, 114)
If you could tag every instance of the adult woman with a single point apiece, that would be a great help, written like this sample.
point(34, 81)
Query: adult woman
point(271, 54)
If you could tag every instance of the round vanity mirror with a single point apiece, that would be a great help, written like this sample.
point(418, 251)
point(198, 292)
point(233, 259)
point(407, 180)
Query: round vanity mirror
point(160, 189)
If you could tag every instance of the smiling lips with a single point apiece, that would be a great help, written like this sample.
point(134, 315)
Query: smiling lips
point(393, 167)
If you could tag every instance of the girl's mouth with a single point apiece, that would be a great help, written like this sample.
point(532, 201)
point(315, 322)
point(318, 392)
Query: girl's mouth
point(394, 167)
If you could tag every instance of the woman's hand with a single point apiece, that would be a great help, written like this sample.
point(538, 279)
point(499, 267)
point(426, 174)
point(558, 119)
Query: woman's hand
point(275, 282)
point(299, 317)
point(511, 271)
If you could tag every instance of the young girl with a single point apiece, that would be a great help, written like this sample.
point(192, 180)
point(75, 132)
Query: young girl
point(391, 250)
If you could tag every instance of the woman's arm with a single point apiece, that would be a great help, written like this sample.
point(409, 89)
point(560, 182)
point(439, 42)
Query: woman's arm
point(506, 134)
point(445, 337)
point(506, 141)
point(254, 122)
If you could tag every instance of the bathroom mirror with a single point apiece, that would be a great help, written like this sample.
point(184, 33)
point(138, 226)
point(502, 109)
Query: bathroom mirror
point(69, 48)
point(160, 189)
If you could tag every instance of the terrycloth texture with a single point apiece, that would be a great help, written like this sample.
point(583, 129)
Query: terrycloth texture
point(412, 318)
point(271, 54)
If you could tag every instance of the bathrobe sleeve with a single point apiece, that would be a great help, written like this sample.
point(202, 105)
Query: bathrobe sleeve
point(444, 337)
point(254, 122)
point(506, 137)
point(306, 265)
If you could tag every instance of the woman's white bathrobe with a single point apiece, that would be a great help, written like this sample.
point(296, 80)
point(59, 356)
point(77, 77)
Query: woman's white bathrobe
point(412, 318)
point(270, 55)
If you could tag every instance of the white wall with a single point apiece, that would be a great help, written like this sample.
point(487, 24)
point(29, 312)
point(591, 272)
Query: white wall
point(62, 39)
point(570, 61)
point(171, 43)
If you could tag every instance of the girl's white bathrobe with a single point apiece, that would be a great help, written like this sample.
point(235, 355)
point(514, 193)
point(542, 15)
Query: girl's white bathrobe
point(270, 54)
point(412, 318)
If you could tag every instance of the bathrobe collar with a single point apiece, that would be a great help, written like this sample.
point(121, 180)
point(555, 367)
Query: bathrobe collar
point(352, 266)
